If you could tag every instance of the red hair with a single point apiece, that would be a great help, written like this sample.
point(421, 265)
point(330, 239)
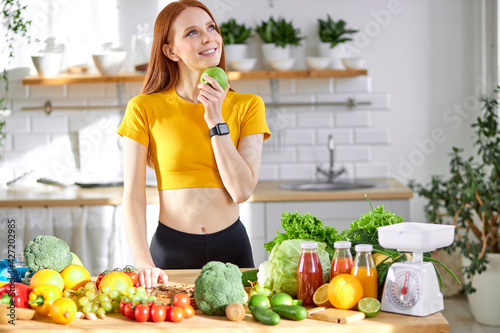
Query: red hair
point(163, 73)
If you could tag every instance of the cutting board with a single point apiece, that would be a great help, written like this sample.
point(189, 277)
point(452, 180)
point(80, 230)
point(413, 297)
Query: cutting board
point(335, 315)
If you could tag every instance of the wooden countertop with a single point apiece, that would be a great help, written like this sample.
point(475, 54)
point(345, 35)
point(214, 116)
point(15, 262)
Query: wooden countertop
point(46, 195)
point(383, 322)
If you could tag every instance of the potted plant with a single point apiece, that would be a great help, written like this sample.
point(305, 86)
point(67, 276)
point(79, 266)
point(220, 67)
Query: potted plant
point(15, 25)
point(470, 199)
point(278, 36)
point(332, 35)
point(235, 36)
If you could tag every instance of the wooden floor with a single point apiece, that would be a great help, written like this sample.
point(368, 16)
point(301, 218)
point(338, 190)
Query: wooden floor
point(457, 312)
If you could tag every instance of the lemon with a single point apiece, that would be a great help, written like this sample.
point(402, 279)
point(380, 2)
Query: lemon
point(320, 297)
point(369, 306)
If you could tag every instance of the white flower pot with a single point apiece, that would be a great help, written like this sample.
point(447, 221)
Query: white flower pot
point(271, 51)
point(485, 302)
point(335, 54)
point(235, 52)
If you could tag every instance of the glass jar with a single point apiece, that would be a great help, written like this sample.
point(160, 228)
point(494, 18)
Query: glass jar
point(309, 273)
point(342, 262)
point(365, 270)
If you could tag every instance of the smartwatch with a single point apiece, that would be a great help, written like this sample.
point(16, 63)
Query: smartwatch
point(219, 129)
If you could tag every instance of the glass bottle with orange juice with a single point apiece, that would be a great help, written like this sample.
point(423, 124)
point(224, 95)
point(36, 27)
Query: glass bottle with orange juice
point(342, 262)
point(365, 270)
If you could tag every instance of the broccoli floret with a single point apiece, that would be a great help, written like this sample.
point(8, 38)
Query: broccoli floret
point(217, 286)
point(47, 252)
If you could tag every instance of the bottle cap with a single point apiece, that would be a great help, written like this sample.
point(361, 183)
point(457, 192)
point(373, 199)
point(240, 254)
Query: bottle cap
point(363, 248)
point(342, 245)
point(309, 245)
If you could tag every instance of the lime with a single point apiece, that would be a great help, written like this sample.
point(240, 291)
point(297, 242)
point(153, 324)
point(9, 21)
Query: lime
point(297, 302)
point(369, 306)
point(281, 299)
point(218, 74)
point(258, 300)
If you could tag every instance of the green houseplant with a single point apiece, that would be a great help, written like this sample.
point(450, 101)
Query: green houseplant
point(279, 32)
point(234, 33)
point(333, 35)
point(333, 32)
point(15, 25)
point(470, 199)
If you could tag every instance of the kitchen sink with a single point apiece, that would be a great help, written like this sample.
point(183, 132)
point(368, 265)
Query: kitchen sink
point(339, 185)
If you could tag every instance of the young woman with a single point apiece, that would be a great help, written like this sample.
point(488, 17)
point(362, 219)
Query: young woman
point(204, 143)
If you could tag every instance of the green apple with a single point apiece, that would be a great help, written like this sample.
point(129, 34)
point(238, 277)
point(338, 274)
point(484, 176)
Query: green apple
point(218, 74)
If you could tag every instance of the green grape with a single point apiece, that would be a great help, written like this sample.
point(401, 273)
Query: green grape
point(114, 293)
point(151, 298)
point(103, 298)
point(106, 289)
point(81, 291)
point(115, 305)
point(94, 307)
point(141, 296)
point(141, 289)
point(83, 301)
point(253, 292)
point(90, 286)
point(131, 290)
point(134, 298)
point(100, 312)
point(67, 294)
point(90, 294)
point(87, 308)
point(107, 306)
point(267, 284)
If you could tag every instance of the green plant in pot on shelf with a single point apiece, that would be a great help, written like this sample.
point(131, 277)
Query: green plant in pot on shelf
point(469, 197)
point(15, 25)
point(279, 32)
point(333, 32)
point(234, 33)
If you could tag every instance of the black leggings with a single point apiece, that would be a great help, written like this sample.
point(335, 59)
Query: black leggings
point(173, 249)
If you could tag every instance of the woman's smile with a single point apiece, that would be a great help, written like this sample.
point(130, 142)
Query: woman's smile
point(209, 52)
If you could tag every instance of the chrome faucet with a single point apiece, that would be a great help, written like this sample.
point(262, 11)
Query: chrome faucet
point(331, 174)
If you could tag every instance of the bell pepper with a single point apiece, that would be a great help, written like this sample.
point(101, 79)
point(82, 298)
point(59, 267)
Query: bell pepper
point(19, 295)
point(41, 298)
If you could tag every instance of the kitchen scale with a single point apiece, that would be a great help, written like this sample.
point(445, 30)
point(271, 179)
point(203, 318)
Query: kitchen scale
point(412, 287)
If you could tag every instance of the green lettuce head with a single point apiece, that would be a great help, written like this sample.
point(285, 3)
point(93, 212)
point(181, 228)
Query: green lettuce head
point(281, 267)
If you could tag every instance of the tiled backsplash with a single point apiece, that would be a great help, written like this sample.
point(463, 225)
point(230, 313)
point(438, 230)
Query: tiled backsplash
point(67, 140)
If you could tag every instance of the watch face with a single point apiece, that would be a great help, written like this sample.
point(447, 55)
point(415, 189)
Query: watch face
point(223, 129)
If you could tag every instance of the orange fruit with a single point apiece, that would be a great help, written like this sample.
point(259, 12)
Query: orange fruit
point(47, 276)
point(345, 291)
point(116, 280)
point(63, 310)
point(320, 297)
point(75, 276)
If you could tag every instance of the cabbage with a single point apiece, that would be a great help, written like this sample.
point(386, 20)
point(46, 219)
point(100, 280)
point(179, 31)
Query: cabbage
point(280, 271)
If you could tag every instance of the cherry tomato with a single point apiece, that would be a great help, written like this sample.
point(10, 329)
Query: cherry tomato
point(129, 310)
point(176, 314)
point(168, 307)
point(134, 277)
point(188, 312)
point(141, 312)
point(157, 312)
point(182, 300)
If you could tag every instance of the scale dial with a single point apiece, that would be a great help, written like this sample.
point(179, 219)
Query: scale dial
point(404, 289)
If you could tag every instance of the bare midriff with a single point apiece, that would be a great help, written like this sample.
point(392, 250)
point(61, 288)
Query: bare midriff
point(199, 210)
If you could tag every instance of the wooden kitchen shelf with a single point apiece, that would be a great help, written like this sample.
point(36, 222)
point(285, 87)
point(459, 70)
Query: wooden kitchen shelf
point(134, 77)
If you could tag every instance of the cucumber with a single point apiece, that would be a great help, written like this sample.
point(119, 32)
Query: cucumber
point(294, 312)
point(250, 275)
point(265, 316)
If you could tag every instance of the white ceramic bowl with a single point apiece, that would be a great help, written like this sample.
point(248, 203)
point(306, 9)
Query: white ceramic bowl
point(282, 64)
point(47, 64)
point(318, 62)
point(353, 63)
point(109, 62)
point(243, 65)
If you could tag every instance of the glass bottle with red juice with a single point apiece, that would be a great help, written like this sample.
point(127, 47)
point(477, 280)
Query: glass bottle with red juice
point(309, 273)
point(342, 262)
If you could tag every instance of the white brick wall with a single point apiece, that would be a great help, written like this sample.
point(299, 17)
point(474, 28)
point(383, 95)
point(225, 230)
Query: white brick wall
point(297, 146)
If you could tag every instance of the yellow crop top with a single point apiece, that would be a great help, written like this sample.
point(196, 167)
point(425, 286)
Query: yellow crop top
point(177, 135)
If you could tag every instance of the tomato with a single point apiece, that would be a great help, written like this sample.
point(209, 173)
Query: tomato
point(122, 306)
point(176, 314)
point(132, 272)
point(158, 312)
point(141, 312)
point(129, 310)
point(188, 312)
point(182, 300)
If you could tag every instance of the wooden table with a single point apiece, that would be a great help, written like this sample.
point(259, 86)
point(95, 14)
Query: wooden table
point(383, 322)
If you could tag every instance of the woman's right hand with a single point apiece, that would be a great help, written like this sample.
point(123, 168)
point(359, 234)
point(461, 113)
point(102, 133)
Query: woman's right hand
point(149, 276)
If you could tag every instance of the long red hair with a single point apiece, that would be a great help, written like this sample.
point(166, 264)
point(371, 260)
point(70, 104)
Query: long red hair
point(163, 73)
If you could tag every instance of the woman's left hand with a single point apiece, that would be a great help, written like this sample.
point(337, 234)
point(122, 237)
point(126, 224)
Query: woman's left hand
point(212, 97)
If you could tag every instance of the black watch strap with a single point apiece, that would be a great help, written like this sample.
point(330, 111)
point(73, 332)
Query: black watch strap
point(219, 129)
